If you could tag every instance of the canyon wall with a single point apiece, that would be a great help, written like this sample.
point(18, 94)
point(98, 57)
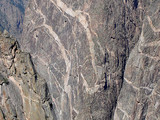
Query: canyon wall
point(87, 51)
point(82, 60)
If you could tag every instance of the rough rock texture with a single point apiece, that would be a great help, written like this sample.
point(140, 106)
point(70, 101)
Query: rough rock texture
point(140, 95)
point(23, 93)
point(87, 50)
point(11, 16)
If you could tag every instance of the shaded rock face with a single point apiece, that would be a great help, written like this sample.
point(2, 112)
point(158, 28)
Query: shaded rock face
point(88, 50)
point(140, 95)
point(23, 93)
point(11, 16)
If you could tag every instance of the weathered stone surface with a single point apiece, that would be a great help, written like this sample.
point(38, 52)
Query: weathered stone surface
point(139, 98)
point(99, 60)
point(81, 48)
point(21, 88)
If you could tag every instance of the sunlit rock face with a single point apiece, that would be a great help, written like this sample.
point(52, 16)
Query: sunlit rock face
point(88, 50)
point(11, 16)
point(23, 93)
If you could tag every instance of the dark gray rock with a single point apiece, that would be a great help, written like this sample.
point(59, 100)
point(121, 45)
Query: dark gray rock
point(81, 48)
point(139, 98)
point(99, 60)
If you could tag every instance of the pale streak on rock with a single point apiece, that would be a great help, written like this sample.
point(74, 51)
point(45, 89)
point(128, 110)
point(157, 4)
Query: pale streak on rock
point(116, 115)
point(154, 43)
point(154, 92)
point(124, 1)
point(76, 110)
point(84, 23)
point(43, 61)
point(54, 101)
point(50, 82)
point(101, 49)
point(22, 94)
point(152, 26)
point(151, 57)
point(92, 31)
point(60, 10)
point(130, 83)
point(125, 113)
point(57, 83)
point(67, 87)
point(21, 90)
point(32, 22)
point(61, 47)
point(149, 89)
point(86, 59)
point(110, 52)
point(141, 40)
point(89, 90)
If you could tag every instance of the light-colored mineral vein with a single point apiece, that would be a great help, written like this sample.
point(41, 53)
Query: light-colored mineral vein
point(151, 57)
point(147, 88)
point(82, 19)
point(89, 90)
point(61, 47)
point(142, 43)
point(22, 94)
point(67, 87)
point(154, 43)
point(110, 52)
point(125, 113)
point(40, 59)
point(56, 82)
point(130, 83)
point(21, 90)
point(154, 92)
point(152, 26)
point(101, 49)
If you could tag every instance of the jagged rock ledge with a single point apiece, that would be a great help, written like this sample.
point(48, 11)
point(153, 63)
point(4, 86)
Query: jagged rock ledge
point(23, 93)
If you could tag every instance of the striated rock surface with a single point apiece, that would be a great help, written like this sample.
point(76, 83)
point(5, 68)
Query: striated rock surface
point(11, 16)
point(92, 60)
point(140, 95)
point(88, 50)
point(23, 93)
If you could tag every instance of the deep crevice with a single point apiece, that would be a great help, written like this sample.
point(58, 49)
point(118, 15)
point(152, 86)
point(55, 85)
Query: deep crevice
point(135, 3)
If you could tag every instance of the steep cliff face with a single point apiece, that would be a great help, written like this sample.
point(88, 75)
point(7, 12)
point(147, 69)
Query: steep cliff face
point(23, 93)
point(11, 16)
point(88, 50)
point(140, 95)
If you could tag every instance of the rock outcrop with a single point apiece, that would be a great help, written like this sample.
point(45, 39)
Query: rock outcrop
point(23, 93)
point(88, 50)
point(92, 60)
point(140, 95)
